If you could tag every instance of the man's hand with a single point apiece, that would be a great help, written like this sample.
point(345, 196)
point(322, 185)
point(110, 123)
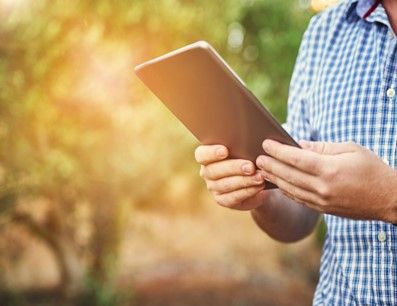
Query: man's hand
point(234, 183)
point(343, 179)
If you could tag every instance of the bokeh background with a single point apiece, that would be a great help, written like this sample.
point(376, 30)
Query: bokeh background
point(100, 198)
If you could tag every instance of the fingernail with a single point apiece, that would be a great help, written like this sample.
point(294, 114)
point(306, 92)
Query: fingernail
point(260, 162)
point(266, 146)
point(247, 168)
point(221, 152)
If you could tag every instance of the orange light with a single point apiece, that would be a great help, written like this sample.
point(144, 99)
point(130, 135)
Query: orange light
point(319, 5)
point(13, 4)
point(100, 71)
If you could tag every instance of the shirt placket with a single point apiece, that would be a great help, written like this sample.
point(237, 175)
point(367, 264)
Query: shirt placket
point(391, 97)
point(386, 149)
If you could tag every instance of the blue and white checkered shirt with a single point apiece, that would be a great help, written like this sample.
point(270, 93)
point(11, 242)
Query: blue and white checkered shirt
point(344, 89)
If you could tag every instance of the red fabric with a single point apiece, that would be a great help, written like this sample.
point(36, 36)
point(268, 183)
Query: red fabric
point(372, 8)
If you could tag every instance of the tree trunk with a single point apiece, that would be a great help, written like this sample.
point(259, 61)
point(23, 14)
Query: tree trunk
point(71, 270)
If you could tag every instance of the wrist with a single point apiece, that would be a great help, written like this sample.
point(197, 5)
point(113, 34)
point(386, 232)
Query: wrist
point(264, 200)
point(268, 208)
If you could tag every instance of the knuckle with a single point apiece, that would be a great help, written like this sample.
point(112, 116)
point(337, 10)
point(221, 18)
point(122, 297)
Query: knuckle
point(288, 177)
point(330, 172)
point(226, 200)
point(248, 181)
point(269, 166)
point(324, 191)
point(225, 185)
point(291, 190)
point(229, 200)
point(210, 186)
point(220, 200)
point(274, 179)
point(300, 201)
point(317, 166)
point(204, 172)
point(247, 193)
point(295, 160)
point(287, 193)
point(295, 198)
point(208, 172)
point(284, 192)
point(322, 205)
point(314, 167)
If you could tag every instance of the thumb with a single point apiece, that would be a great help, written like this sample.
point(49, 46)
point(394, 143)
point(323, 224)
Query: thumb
point(328, 148)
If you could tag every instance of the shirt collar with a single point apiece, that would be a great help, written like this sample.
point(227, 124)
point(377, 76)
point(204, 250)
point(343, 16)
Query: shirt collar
point(358, 9)
point(350, 9)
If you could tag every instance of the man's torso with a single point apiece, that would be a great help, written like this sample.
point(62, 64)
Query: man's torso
point(352, 84)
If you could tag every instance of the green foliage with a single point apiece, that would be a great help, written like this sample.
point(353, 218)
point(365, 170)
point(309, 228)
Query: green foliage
point(7, 201)
point(274, 29)
point(99, 294)
point(321, 232)
point(60, 128)
point(78, 129)
point(11, 298)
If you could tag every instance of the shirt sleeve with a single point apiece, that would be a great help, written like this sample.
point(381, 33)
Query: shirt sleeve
point(298, 123)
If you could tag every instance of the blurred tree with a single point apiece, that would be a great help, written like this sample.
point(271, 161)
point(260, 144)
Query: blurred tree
point(274, 30)
point(81, 140)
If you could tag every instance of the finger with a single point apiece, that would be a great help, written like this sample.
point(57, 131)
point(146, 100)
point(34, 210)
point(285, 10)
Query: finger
point(208, 154)
point(296, 193)
point(287, 172)
point(308, 204)
point(225, 168)
point(235, 198)
point(328, 148)
point(304, 160)
point(253, 201)
point(233, 183)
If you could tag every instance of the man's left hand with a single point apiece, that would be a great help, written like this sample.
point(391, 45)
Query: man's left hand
point(343, 179)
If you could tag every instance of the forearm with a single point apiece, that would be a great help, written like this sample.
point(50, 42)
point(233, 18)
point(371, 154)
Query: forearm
point(283, 219)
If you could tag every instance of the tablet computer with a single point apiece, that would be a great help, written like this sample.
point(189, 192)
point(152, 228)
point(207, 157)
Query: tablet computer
point(209, 98)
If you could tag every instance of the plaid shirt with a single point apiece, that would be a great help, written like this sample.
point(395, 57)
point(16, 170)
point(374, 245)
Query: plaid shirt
point(343, 89)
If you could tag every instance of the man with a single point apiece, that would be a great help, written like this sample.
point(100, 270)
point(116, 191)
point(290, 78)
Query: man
point(343, 108)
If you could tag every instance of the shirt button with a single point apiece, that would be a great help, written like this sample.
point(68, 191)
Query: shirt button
point(382, 236)
point(390, 93)
point(390, 34)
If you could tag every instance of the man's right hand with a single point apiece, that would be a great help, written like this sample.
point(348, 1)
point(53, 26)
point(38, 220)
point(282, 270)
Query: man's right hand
point(234, 183)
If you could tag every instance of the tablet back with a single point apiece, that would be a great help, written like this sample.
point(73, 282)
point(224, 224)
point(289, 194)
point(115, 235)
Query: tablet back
point(211, 100)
